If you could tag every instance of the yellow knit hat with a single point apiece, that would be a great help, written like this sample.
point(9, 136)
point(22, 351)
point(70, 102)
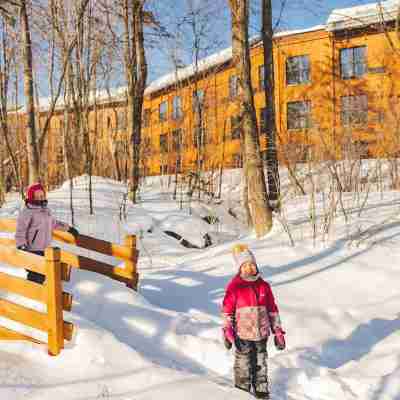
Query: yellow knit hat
point(242, 254)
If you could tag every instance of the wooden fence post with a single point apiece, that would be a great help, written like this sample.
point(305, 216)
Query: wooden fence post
point(54, 301)
point(130, 266)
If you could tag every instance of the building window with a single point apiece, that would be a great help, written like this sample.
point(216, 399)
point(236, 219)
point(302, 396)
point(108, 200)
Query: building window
point(264, 120)
point(178, 165)
point(297, 70)
point(122, 121)
point(164, 143)
point(162, 111)
point(237, 160)
point(354, 110)
point(177, 140)
point(198, 100)
point(236, 127)
point(177, 112)
point(200, 136)
point(233, 86)
point(163, 169)
point(60, 155)
point(353, 63)
point(299, 115)
point(108, 122)
point(146, 118)
point(261, 77)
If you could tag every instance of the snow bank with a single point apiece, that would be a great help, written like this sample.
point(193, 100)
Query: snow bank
point(338, 302)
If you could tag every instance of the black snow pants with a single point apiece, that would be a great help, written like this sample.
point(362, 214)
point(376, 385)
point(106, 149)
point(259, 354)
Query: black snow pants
point(250, 367)
point(35, 276)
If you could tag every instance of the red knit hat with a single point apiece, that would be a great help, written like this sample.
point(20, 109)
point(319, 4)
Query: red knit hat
point(32, 189)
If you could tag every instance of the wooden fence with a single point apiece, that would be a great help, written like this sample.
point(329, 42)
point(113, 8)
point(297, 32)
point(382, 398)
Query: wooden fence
point(50, 294)
point(56, 265)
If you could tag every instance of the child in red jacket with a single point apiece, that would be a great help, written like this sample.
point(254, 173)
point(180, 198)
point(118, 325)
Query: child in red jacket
point(250, 315)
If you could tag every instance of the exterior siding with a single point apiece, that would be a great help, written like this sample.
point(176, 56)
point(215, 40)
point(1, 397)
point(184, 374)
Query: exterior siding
point(326, 137)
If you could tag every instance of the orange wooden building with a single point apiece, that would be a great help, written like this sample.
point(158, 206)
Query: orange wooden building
point(337, 91)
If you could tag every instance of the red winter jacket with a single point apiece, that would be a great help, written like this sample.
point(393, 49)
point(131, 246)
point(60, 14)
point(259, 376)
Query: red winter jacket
point(249, 309)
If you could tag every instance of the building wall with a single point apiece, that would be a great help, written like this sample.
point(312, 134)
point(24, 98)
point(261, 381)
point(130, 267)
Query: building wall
point(325, 137)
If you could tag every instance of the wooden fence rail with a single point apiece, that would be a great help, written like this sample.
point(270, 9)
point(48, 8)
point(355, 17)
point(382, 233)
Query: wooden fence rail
point(56, 266)
point(127, 253)
point(50, 294)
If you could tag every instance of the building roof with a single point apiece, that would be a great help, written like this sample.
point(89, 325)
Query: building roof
point(213, 61)
point(359, 16)
point(344, 18)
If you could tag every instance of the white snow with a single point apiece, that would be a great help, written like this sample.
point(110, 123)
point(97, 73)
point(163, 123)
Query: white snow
point(355, 17)
point(299, 31)
point(339, 303)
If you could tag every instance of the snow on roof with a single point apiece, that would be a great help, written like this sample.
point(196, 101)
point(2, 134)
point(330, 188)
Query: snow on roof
point(299, 31)
point(355, 17)
point(213, 61)
point(184, 73)
point(100, 95)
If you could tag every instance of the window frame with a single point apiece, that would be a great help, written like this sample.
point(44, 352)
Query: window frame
point(198, 101)
point(353, 62)
point(121, 120)
point(235, 122)
point(177, 145)
point(302, 115)
point(146, 117)
point(261, 77)
point(163, 115)
point(298, 70)
point(233, 86)
point(177, 110)
point(163, 142)
point(203, 136)
point(355, 107)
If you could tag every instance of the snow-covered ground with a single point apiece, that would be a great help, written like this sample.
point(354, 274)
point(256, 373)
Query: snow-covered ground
point(339, 303)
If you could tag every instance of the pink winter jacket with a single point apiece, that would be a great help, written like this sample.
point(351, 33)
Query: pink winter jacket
point(249, 309)
point(35, 228)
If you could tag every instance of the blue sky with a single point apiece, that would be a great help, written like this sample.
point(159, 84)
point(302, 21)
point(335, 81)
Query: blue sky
point(297, 14)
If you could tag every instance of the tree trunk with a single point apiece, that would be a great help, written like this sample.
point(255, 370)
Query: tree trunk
point(31, 140)
point(2, 180)
point(398, 23)
point(260, 212)
point(269, 87)
point(136, 76)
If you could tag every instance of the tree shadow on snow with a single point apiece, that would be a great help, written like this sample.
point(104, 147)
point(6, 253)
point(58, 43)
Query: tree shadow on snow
point(320, 256)
point(143, 328)
point(336, 353)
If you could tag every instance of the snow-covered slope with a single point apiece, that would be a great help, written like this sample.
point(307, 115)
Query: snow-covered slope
point(339, 305)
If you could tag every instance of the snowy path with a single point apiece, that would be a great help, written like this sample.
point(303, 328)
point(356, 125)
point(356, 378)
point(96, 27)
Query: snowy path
point(339, 306)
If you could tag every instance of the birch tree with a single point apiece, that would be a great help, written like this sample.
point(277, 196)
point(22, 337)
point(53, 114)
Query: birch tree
point(256, 193)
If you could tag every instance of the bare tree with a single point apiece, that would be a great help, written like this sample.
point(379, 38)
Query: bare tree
point(260, 212)
point(31, 135)
point(269, 88)
point(133, 16)
point(8, 61)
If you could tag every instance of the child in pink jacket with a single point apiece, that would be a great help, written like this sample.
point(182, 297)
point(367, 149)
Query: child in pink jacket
point(35, 226)
point(250, 315)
